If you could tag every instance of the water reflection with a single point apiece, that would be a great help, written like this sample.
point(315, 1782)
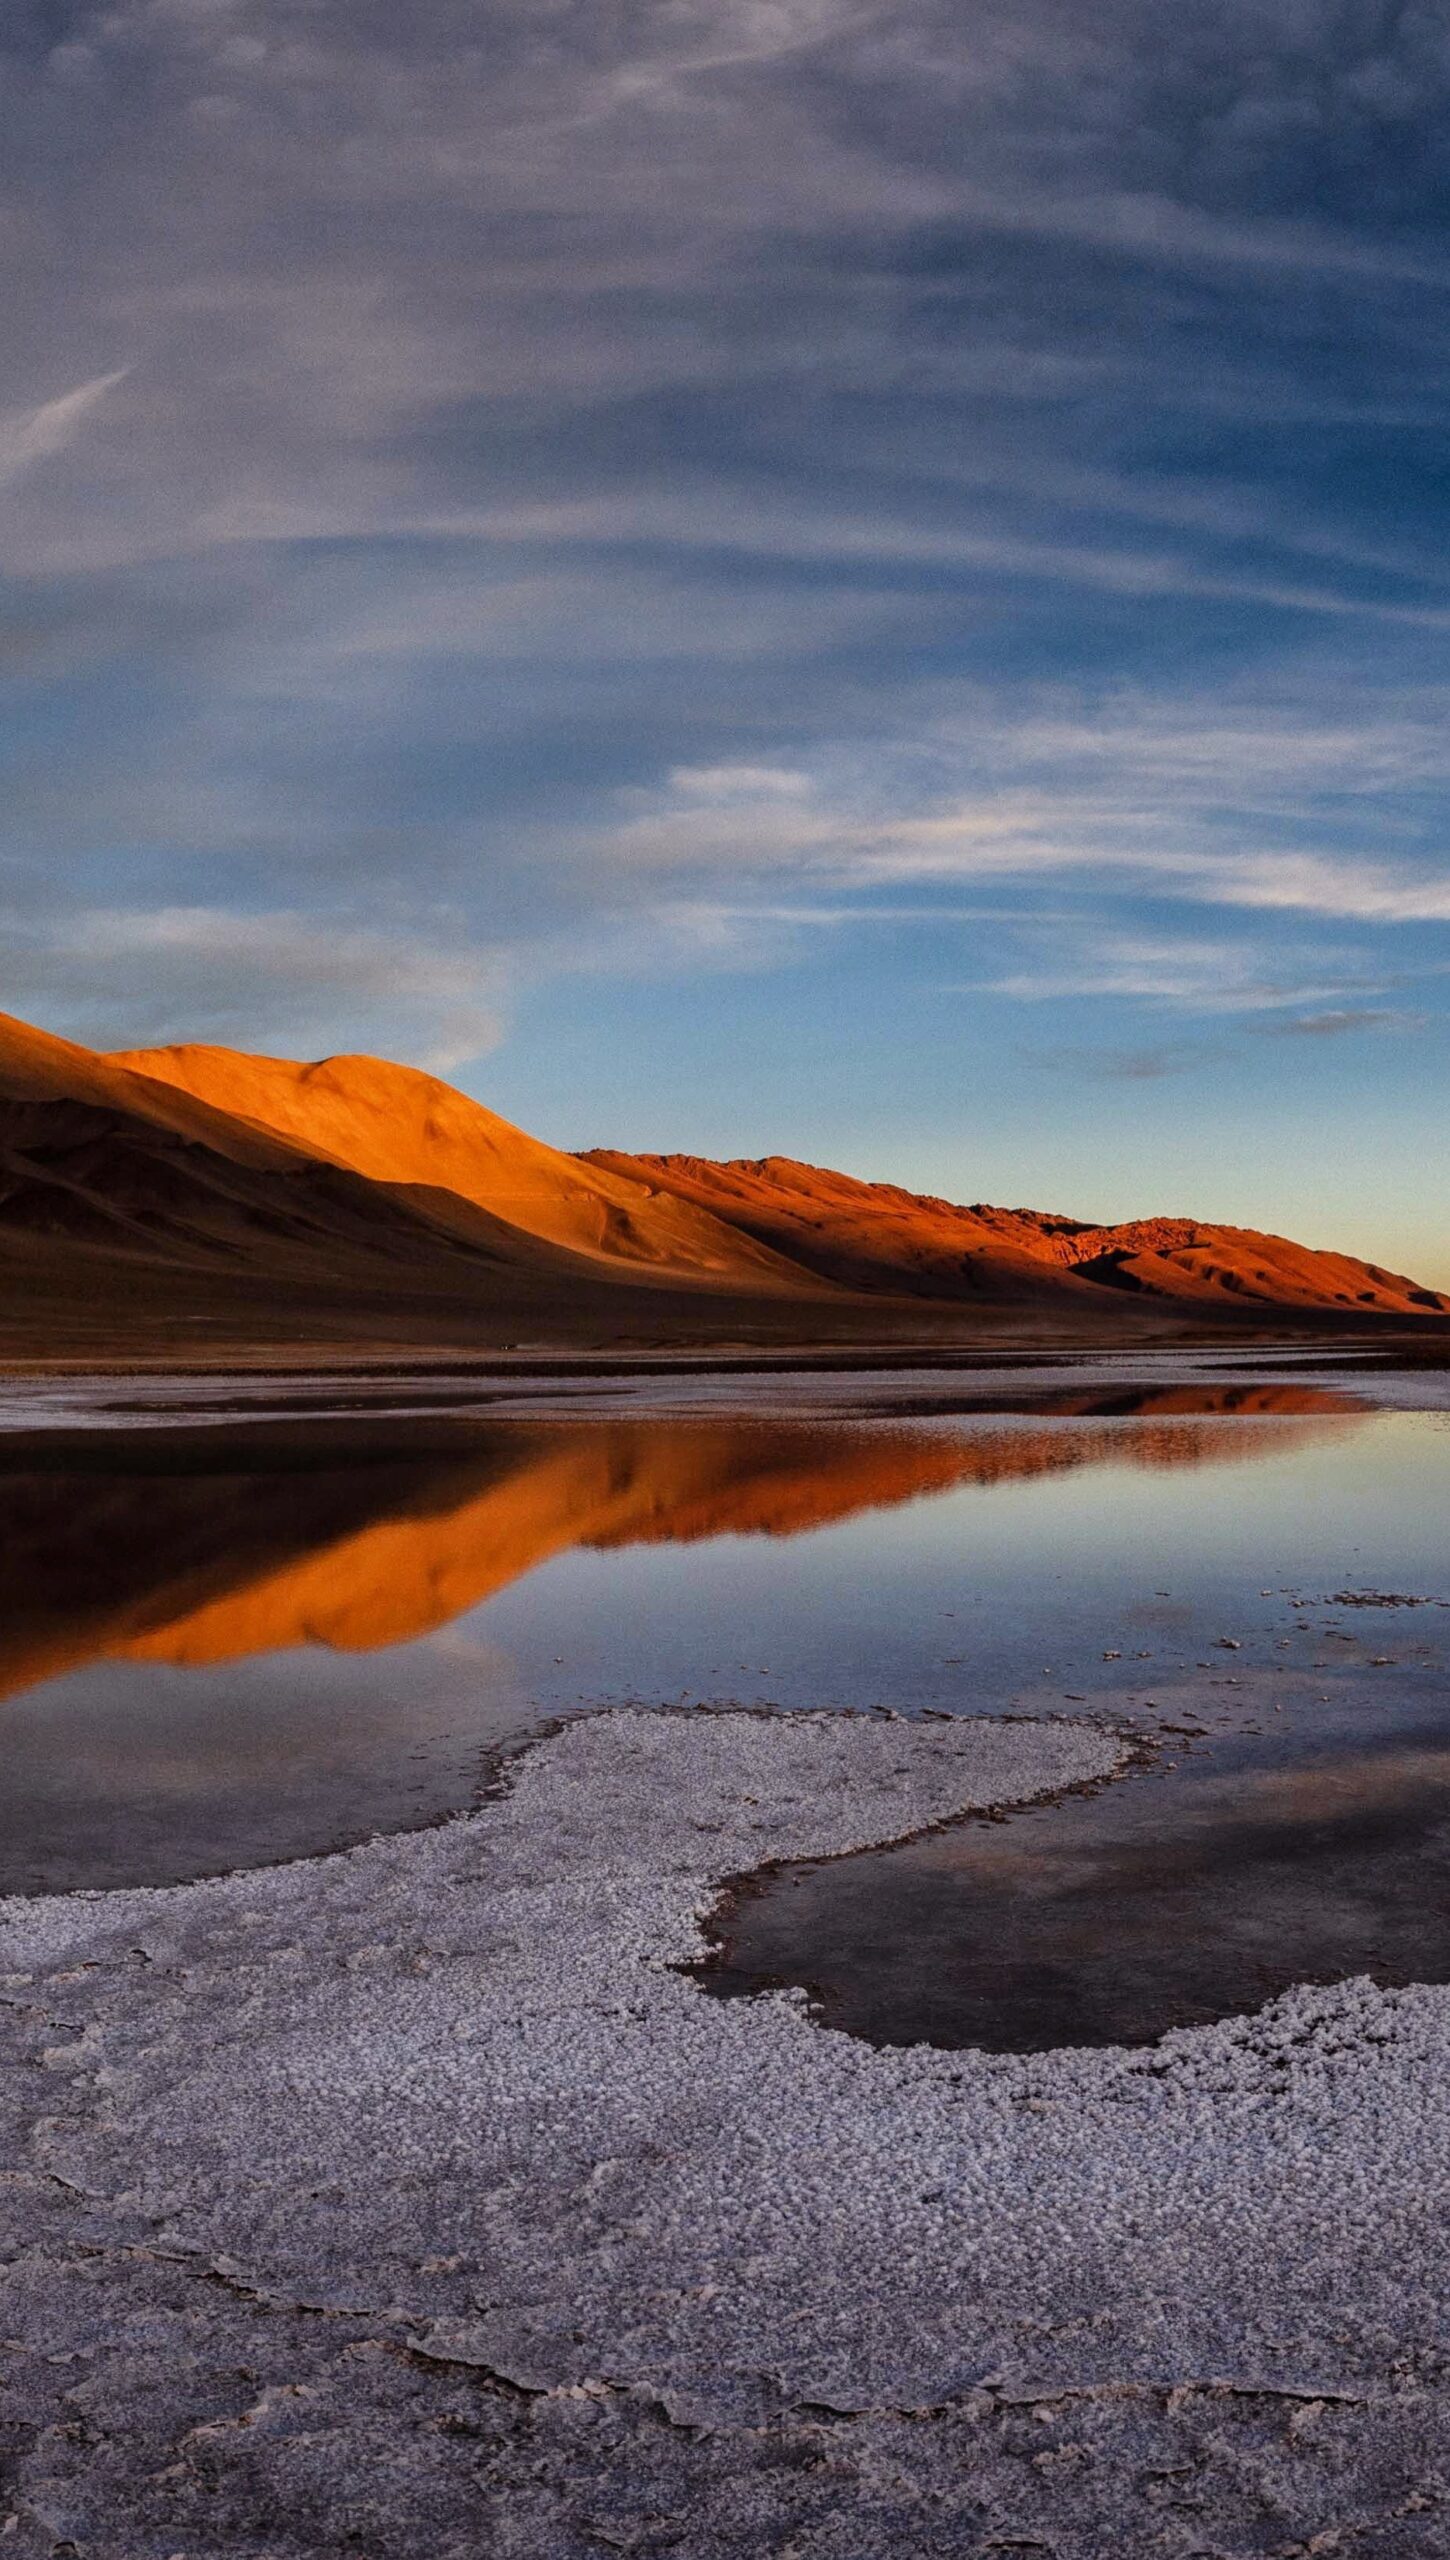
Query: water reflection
point(217, 1648)
point(189, 1569)
point(1109, 1918)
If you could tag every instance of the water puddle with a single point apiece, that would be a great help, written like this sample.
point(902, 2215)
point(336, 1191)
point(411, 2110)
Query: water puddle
point(234, 1642)
point(1108, 1919)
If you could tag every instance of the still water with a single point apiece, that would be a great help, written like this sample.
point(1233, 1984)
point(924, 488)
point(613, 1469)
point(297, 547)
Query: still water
point(233, 1645)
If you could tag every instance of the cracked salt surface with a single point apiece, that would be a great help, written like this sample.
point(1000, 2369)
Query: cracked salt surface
point(411, 2201)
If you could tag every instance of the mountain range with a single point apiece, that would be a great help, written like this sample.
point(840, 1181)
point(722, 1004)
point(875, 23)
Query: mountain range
point(192, 1198)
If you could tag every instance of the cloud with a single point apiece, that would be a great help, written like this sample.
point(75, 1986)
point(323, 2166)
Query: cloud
point(29, 435)
point(1180, 973)
point(740, 784)
point(1329, 885)
point(1138, 832)
point(1161, 231)
point(725, 522)
point(135, 979)
point(1121, 1066)
point(1344, 1021)
point(685, 488)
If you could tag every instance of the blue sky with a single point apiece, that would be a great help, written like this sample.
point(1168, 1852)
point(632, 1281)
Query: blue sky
point(746, 575)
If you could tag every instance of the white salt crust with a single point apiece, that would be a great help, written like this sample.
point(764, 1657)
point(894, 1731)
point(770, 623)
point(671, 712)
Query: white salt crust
point(411, 2203)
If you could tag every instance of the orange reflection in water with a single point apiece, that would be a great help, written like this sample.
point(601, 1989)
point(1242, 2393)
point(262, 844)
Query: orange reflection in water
point(191, 1570)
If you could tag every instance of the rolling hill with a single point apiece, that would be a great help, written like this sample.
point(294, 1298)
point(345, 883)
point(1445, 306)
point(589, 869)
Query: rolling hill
point(355, 1201)
point(196, 1197)
point(873, 1236)
point(400, 1127)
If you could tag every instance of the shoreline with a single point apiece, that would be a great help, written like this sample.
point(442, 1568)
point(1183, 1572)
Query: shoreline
point(1397, 1344)
point(61, 1415)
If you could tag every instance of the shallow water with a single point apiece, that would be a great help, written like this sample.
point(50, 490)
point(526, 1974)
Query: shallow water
point(225, 1645)
point(1114, 1916)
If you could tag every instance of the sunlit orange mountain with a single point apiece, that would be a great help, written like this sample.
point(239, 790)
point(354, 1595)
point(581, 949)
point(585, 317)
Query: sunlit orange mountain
point(158, 1196)
point(419, 1137)
point(871, 1235)
point(193, 1198)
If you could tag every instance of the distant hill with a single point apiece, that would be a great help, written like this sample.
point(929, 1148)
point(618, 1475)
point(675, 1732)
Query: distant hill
point(873, 1236)
point(169, 1200)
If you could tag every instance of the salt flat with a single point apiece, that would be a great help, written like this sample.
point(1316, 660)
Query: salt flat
point(411, 2200)
point(71, 1397)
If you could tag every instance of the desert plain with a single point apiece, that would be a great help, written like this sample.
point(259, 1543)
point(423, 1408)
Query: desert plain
point(393, 2182)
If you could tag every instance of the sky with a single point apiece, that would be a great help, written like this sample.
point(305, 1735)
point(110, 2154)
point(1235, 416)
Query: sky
point(861, 582)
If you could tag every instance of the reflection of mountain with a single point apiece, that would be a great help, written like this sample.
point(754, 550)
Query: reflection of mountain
point(192, 1569)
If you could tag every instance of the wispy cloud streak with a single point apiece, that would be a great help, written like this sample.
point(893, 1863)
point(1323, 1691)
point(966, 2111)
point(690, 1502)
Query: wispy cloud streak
point(31, 435)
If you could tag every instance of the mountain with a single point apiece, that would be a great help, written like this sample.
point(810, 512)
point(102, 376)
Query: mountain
point(398, 1126)
point(191, 1194)
point(170, 1201)
point(873, 1236)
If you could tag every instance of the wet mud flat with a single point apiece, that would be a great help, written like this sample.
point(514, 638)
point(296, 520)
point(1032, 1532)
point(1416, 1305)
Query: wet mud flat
point(417, 2198)
point(431, 1401)
point(1288, 1823)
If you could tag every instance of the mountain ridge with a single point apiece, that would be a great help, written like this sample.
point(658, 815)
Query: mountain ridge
point(163, 1193)
point(857, 1232)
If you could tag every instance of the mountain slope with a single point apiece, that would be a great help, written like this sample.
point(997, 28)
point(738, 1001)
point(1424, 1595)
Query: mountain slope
point(1183, 1258)
point(875, 1236)
point(396, 1125)
point(128, 1200)
point(99, 1160)
point(866, 1235)
point(158, 1198)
